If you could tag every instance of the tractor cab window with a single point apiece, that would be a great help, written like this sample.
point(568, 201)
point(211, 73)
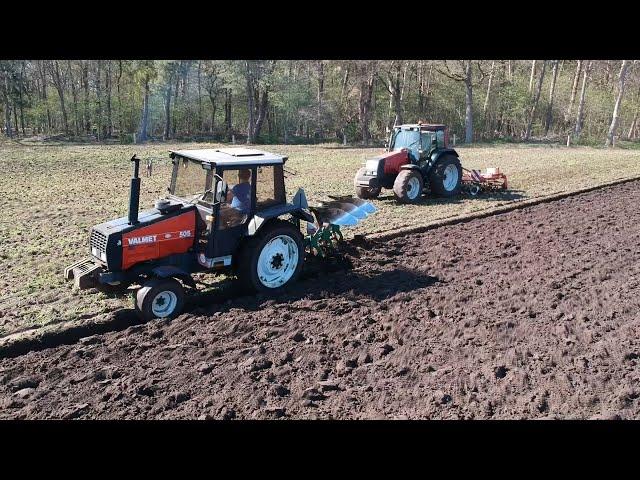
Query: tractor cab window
point(190, 179)
point(427, 140)
point(409, 139)
point(269, 186)
point(236, 208)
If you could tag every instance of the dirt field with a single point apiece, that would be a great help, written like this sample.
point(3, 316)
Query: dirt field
point(528, 314)
point(53, 194)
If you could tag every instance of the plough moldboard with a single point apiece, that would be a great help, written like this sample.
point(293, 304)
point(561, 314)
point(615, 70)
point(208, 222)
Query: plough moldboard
point(330, 215)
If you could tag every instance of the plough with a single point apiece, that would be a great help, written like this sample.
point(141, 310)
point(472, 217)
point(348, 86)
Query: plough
point(475, 181)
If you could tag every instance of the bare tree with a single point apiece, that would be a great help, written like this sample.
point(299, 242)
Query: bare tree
point(616, 108)
point(580, 117)
point(552, 91)
point(465, 77)
point(574, 90)
point(533, 74)
point(536, 99)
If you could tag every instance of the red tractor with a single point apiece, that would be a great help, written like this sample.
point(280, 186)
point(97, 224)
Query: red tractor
point(417, 157)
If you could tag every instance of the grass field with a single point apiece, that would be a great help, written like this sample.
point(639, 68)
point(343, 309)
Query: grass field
point(54, 193)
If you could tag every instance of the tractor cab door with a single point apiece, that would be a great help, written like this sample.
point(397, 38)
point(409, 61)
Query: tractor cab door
point(428, 143)
point(232, 214)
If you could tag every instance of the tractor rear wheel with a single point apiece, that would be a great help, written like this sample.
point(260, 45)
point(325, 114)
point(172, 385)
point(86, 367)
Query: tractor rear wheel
point(408, 186)
point(159, 298)
point(366, 192)
point(273, 258)
point(445, 178)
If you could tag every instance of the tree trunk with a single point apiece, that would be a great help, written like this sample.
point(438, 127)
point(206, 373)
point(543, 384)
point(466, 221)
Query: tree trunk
point(7, 108)
point(533, 74)
point(468, 98)
point(580, 116)
point(552, 91)
point(320, 67)
point(108, 88)
point(574, 90)
point(366, 93)
point(227, 112)
point(263, 111)
point(167, 110)
point(142, 133)
point(250, 103)
point(99, 131)
point(22, 81)
point(85, 85)
point(59, 85)
point(74, 94)
point(616, 108)
point(120, 119)
point(536, 99)
point(485, 107)
point(200, 118)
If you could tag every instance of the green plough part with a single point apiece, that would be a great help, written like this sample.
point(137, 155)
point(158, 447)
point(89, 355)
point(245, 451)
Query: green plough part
point(322, 242)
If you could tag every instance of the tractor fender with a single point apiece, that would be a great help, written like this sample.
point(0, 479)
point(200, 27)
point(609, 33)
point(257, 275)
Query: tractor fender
point(171, 271)
point(436, 156)
point(409, 166)
point(259, 220)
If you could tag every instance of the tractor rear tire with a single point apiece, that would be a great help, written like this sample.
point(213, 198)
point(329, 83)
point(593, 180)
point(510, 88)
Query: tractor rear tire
point(408, 186)
point(159, 298)
point(366, 192)
point(445, 178)
point(272, 259)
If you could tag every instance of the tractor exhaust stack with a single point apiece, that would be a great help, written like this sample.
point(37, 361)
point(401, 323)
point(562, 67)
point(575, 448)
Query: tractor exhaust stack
point(134, 194)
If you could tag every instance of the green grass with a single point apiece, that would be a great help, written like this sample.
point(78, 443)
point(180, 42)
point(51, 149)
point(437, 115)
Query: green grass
point(53, 194)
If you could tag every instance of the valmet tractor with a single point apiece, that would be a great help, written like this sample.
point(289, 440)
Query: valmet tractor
point(204, 225)
point(417, 157)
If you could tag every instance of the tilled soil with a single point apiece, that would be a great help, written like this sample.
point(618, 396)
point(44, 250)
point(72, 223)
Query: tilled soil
point(528, 314)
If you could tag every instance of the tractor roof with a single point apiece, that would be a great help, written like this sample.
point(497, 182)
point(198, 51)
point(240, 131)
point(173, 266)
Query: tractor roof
point(422, 126)
point(228, 157)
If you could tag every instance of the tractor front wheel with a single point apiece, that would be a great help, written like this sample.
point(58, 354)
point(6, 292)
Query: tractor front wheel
point(445, 178)
point(273, 258)
point(408, 186)
point(159, 298)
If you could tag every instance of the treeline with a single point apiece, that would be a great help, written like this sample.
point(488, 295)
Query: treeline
point(312, 101)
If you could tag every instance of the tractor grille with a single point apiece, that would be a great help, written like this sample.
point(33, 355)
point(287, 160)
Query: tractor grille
point(99, 242)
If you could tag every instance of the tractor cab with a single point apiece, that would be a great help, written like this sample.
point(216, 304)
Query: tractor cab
point(419, 139)
point(233, 190)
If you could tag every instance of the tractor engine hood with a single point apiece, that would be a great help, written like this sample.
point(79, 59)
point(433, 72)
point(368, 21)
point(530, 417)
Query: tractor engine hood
point(159, 232)
point(387, 164)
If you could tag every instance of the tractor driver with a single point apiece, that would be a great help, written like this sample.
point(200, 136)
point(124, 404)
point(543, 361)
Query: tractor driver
point(240, 194)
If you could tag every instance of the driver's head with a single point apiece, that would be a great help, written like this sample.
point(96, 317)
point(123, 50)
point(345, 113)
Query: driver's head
point(244, 176)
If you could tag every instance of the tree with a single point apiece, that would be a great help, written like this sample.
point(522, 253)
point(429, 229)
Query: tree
point(467, 78)
point(574, 90)
point(580, 117)
point(145, 72)
point(552, 91)
point(616, 108)
point(532, 111)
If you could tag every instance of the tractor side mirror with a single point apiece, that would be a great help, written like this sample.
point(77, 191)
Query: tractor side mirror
point(221, 191)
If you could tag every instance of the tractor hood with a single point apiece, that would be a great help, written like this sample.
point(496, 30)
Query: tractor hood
point(158, 233)
point(387, 164)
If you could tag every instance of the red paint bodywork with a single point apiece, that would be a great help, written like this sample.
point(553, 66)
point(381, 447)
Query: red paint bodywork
point(394, 160)
point(158, 240)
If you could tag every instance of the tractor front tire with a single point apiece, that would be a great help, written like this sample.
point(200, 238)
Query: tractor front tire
point(272, 259)
point(445, 178)
point(365, 193)
point(408, 186)
point(159, 298)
